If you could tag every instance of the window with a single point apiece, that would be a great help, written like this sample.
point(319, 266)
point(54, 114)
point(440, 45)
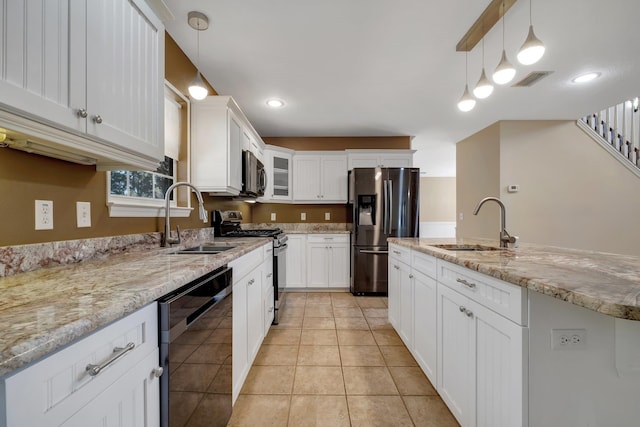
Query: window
point(141, 193)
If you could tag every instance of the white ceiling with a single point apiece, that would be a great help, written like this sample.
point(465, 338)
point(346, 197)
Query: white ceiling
point(382, 67)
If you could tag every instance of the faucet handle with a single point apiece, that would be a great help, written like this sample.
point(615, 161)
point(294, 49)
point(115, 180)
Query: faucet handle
point(514, 241)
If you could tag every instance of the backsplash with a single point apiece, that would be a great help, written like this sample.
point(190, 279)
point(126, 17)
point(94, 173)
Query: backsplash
point(302, 227)
point(23, 258)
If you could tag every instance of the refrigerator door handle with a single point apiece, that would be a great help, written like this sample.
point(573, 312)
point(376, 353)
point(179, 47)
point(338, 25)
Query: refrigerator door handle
point(386, 206)
point(374, 252)
point(390, 184)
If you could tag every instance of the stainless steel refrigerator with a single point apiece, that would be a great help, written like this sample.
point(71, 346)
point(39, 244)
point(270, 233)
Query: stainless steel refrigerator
point(385, 204)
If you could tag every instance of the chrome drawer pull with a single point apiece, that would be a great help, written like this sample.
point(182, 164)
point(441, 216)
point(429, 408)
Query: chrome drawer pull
point(467, 284)
point(397, 252)
point(396, 267)
point(469, 313)
point(157, 372)
point(252, 281)
point(118, 352)
point(410, 276)
point(269, 275)
point(462, 309)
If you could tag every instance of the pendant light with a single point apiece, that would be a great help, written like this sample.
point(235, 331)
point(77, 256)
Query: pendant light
point(199, 22)
point(483, 88)
point(504, 72)
point(467, 102)
point(532, 49)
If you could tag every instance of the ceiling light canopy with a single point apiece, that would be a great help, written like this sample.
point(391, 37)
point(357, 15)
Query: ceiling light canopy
point(199, 22)
point(584, 78)
point(275, 103)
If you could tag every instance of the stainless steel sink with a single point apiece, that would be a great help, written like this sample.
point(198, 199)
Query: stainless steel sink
point(203, 250)
point(471, 248)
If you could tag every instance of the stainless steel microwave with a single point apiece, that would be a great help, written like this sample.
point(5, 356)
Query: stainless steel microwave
point(254, 177)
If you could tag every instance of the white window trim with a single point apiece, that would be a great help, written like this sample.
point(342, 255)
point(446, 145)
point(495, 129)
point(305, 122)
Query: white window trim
point(138, 207)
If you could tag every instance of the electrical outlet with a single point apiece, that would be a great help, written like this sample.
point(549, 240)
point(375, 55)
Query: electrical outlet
point(83, 214)
point(460, 216)
point(568, 339)
point(303, 216)
point(44, 215)
point(327, 216)
point(273, 216)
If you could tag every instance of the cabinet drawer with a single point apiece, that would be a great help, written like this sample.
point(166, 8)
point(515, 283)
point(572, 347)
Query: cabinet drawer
point(504, 298)
point(400, 253)
point(243, 265)
point(328, 238)
point(51, 390)
point(425, 264)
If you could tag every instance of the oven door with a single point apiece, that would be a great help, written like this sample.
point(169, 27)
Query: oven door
point(279, 278)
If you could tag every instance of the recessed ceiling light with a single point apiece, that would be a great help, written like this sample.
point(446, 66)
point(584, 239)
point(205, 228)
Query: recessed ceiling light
point(275, 103)
point(587, 77)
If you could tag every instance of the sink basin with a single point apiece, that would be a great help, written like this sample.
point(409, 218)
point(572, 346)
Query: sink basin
point(471, 248)
point(203, 249)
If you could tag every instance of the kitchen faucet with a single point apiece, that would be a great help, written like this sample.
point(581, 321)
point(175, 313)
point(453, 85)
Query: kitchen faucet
point(167, 240)
point(505, 238)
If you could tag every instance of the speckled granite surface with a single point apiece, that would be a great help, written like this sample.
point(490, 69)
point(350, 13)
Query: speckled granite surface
point(45, 309)
point(305, 228)
point(603, 282)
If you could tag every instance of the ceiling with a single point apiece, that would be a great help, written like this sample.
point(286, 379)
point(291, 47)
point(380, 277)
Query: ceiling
point(381, 67)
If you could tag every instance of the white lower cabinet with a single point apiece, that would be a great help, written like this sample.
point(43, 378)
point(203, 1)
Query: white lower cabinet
point(468, 333)
point(328, 260)
point(296, 264)
point(58, 390)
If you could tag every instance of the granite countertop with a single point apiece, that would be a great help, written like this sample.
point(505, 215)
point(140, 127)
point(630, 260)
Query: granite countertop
point(603, 282)
point(46, 309)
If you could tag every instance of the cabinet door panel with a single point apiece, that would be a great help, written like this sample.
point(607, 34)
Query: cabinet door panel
point(125, 75)
point(406, 305)
point(42, 55)
point(296, 275)
point(425, 320)
point(317, 265)
point(394, 293)
point(234, 159)
point(306, 184)
point(339, 265)
point(240, 359)
point(334, 178)
point(255, 325)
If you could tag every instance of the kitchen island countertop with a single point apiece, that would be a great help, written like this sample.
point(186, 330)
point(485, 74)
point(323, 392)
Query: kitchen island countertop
point(43, 310)
point(603, 282)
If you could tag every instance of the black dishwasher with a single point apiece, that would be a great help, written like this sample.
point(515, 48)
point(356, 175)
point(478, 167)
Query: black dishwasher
point(195, 327)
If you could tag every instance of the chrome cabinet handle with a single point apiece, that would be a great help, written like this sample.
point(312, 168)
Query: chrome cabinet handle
point(157, 372)
point(462, 309)
point(396, 267)
point(118, 352)
point(410, 276)
point(269, 275)
point(466, 311)
point(397, 252)
point(270, 309)
point(97, 119)
point(82, 113)
point(252, 281)
point(467, 284)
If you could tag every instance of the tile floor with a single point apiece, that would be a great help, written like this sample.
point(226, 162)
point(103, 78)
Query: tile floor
point(334, 360)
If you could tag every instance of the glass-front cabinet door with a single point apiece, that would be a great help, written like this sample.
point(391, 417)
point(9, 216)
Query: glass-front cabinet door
point(279, 174)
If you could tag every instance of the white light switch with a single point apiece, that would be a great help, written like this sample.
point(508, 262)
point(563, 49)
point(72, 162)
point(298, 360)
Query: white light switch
point(327, 216)
point(83, 214)
point(44, 215)
point(303, 216)
point(273, 216)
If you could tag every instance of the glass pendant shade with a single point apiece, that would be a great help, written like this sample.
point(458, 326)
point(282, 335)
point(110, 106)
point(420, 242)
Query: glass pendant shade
point(197, 89)
point(504, 72)
point(532, 49)
point(467, 102)
point(484, 88)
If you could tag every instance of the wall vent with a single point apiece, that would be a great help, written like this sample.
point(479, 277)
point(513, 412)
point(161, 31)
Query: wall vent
point(532, 78)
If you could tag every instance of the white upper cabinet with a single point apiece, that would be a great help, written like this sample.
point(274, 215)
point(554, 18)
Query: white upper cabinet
point(320, 177)
point(83, 81)
point(278, 163)
point(381, 158)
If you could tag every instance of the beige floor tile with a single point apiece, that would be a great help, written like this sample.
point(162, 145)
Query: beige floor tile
point(292, 311)
point(212, 411)
point(283, 337)
point(355, 337)
point(318, 310)
point(277, 355)
point(318, 380)
point(193, 377)
point(411, 381)
point(376, 312)
point(314, 411)
point(295, 299)
point(361, 355)
point(344, 302)
point(226, 323)
point(318, 298)
point(219, 336)
point(378, 411)
point(318, 323)
point(387, 337)
point(351, 323)
point(368, 380)
point(395, 355)
point(269, 380)
point(260, 410)
point(210, 353)
point(319, 337)
point(429, 411)
point(319, 355)
point(347, 311)
point(181, 406)
point(286, 322)
point(376, 323)
point(370, 302)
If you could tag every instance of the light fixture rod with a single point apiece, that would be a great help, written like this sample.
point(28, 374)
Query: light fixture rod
point(487, 19)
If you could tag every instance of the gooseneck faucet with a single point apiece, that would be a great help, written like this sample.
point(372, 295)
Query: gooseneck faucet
point(505, 237)
point(202, 213)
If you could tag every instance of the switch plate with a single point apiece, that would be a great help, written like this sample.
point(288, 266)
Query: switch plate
point(83, 214)
point(461, 216)
point(568, 339)
point(327, 216)
point(303, 216)
point(44, 215)
point(513, 188)
point(273, 216)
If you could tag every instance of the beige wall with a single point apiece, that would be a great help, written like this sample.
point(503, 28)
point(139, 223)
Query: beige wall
point(478, 176)
point(572, 192)
point(437, 199)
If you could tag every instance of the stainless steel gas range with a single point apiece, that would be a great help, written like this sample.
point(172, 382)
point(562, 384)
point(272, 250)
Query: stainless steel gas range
point(228, 224)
